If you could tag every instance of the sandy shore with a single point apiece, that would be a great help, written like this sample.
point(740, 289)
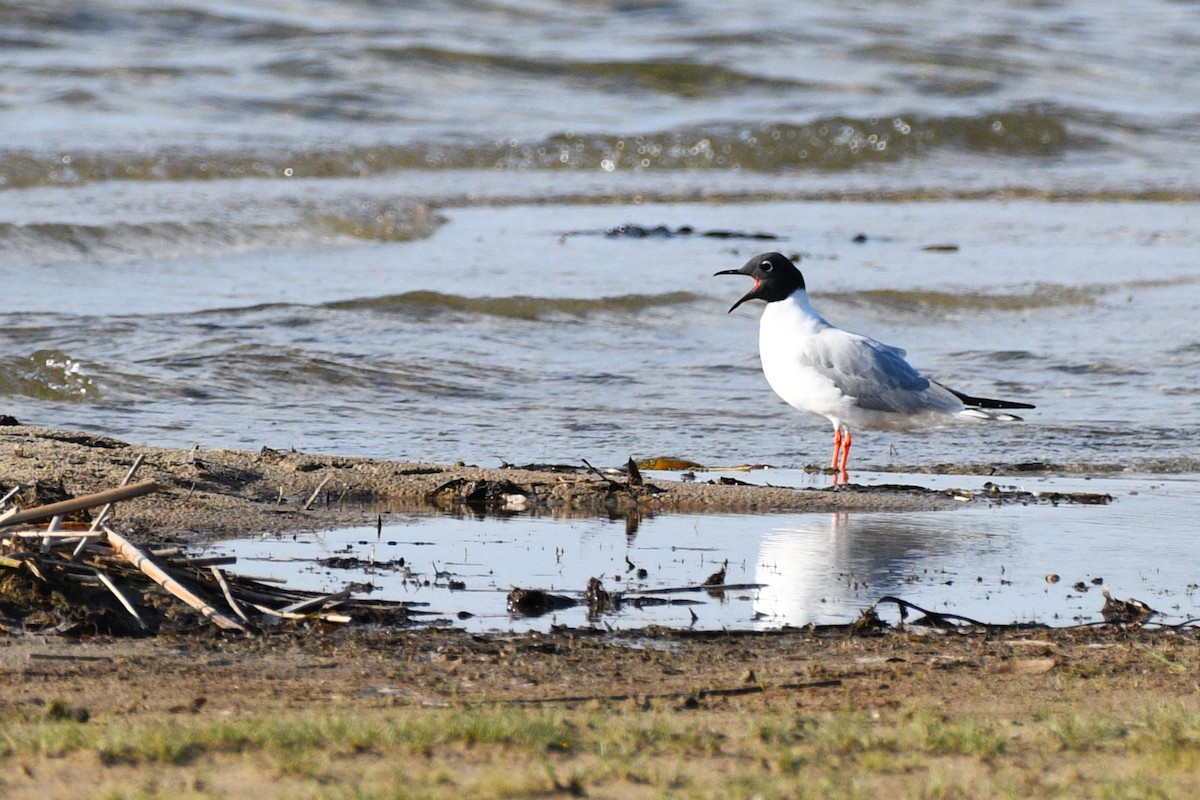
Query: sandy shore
point(218, 492)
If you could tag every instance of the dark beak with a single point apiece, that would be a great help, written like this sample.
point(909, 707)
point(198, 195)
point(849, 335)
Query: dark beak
point(750, 295)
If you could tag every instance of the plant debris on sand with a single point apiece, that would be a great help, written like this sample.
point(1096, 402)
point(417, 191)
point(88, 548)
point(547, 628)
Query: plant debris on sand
point(216, 492)
point(200, 493)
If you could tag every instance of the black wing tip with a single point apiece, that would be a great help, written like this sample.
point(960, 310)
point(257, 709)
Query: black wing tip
point(987, 402)
point(984, 402)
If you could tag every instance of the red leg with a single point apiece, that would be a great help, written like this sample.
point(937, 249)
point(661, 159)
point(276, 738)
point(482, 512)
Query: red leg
point(837, 446)
point(845, 454)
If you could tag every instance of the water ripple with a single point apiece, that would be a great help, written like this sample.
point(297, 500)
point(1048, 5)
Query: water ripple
point(829, 143)
point(520, 307)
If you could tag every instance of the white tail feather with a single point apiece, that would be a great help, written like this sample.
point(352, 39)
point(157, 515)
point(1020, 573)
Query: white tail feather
point(989, 414)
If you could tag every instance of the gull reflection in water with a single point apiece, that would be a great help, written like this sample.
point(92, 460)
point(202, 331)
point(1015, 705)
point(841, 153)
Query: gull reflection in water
point(828, 569)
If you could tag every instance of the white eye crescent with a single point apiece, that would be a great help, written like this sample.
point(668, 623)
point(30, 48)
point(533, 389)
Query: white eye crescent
point(766, 266)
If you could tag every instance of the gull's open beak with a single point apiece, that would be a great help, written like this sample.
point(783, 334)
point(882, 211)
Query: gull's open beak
point(750, 295)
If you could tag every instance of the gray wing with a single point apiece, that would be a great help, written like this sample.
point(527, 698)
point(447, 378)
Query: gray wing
point(874, 374)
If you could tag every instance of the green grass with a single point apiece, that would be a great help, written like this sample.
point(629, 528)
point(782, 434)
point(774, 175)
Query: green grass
point(182, 740)
point(1083, 732)
point(518, 752)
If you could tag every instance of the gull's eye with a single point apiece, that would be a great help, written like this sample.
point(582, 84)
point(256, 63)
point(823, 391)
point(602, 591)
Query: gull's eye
point(766, 266)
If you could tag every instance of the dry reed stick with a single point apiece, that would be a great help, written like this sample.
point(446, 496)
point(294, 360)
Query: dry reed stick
point(112, 587)
point(79, 503)
point(316, 492)
point(104, 512)
point(229, 598)
point(140, 559)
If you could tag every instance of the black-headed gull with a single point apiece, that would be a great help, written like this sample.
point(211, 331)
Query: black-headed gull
point(851, 380)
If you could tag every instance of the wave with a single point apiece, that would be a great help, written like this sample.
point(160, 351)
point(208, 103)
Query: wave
point(47, 375)
point(1190, 347)
point(521, 307)
point(380, 220)
point(1097, 368)
point(372, 220)
point(920, 301)
point(312, 374)
point(828, 143)
point(681, 77)
point(998, 356)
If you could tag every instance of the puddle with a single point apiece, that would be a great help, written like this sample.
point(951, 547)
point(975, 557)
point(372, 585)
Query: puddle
point(988, 563)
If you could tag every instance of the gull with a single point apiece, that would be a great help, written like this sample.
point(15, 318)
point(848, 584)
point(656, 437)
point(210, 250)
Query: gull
point(851, 380)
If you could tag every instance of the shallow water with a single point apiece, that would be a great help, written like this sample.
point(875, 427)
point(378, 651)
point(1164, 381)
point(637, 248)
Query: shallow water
point(380, 229)
point(503, 338)
point(216, 91)
point(989, 563)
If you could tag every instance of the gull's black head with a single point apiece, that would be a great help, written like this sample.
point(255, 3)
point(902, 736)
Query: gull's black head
point(775, 278)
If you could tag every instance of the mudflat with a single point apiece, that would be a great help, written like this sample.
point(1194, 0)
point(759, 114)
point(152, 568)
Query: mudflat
point(227, 491)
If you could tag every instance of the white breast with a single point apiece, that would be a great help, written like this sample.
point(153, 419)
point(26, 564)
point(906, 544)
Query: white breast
point(787, 330)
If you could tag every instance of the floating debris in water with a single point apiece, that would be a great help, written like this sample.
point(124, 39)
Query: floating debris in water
point(536, 602)
point(1124, 612)
point(633, 231)
point(668, 463)
point(600, 600)
point(718, 577)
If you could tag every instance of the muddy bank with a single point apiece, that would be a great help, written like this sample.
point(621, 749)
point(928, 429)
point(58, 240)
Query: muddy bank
point(983, 671)
point(227, 491)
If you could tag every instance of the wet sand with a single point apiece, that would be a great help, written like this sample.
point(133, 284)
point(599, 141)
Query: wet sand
point(213, 492)
point(206, 493)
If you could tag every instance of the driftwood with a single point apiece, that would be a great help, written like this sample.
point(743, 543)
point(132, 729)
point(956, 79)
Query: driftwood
point(316, 493)
point(102, 517)
point(66, 535)
point(225, 590)
point(121, 598)
point(536, 602)
point(314, 602)
point(140, 559)
point(79, 503)
point(87, 567)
